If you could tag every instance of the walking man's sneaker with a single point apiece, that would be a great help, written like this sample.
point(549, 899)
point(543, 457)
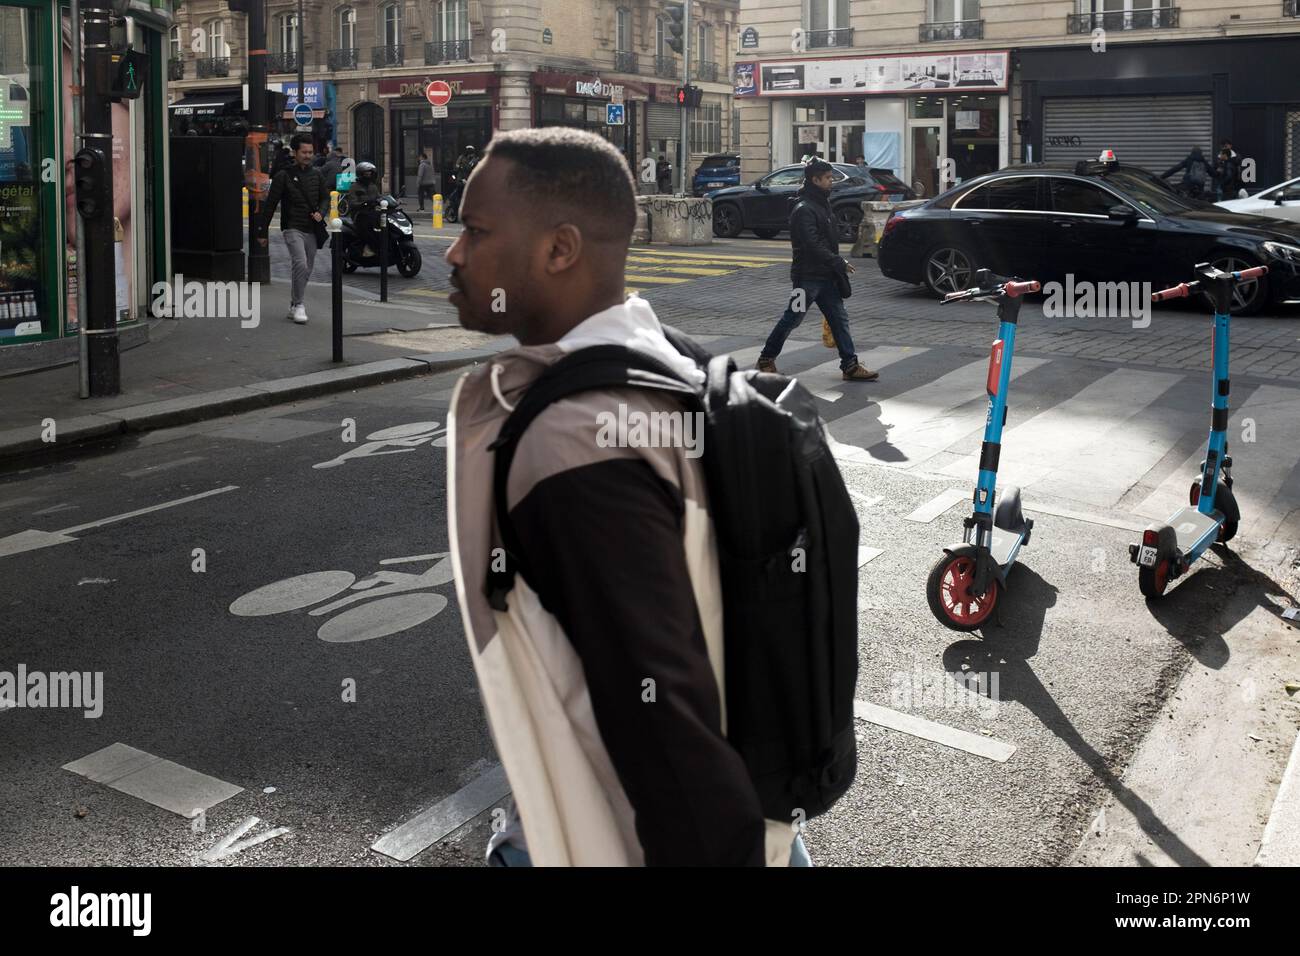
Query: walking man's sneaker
point(290, 314)
point(300, 314)
point(860, 373)
point(766, 365)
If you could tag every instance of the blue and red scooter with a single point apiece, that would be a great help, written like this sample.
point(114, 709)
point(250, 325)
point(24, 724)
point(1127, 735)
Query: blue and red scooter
point(1168, 550)
point(963, 587)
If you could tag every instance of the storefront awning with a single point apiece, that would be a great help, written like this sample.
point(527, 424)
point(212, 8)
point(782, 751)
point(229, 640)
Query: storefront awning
point(209, 103)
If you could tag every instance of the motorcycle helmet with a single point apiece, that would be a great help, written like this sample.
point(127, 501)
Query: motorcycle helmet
point(366, 172)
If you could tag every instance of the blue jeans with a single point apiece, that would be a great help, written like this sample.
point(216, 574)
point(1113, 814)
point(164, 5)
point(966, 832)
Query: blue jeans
point(507, 855)
point(827, 296)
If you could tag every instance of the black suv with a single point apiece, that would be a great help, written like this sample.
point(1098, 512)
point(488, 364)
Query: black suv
point(1099, 221)
point(765, 206)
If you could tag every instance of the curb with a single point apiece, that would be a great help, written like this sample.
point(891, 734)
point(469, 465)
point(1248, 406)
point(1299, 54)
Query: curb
point(1281, 843)
point(71, 433)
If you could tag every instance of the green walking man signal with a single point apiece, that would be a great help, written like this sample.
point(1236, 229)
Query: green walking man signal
point(131, 72)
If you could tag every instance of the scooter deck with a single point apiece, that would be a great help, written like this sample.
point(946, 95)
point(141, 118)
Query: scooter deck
point(1003, 545)
point(1193, 529)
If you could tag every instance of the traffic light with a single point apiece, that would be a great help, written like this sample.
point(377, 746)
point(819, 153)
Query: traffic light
point(676, 16)
point(694, 96)
point(91, 183)
point(682, 96)
point(130, 76)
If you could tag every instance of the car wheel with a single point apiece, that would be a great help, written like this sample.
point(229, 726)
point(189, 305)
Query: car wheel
point(848, 219)
point(949, 269)
point(1247, 297)
point(726, 221)
point(766, 233)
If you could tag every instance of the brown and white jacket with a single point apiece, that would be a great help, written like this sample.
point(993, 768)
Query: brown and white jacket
point(620, 541)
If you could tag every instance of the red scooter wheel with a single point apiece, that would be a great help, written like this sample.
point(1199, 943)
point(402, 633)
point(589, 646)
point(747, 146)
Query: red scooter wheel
point(949, 592)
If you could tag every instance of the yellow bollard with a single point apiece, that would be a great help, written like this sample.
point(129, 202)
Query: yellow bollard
point(245, 192)
point(334, 204)
point(437, 210)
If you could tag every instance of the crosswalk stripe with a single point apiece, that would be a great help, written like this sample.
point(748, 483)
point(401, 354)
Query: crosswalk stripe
point(655, 280)
point(431, 293)
point(680, 269)
point(719, 257)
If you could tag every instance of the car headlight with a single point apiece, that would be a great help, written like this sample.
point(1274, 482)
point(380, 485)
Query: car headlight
point(1282, 250)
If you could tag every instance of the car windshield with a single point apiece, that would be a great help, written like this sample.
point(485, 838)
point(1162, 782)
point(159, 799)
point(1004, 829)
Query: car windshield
point(1146, 194)
point(719, 162)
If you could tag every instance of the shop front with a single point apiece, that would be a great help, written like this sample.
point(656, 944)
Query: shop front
point(469, 122)
point(320, 97)
point(583, 101)
point(1152, 102)
point(933, 120)
point(38, 218)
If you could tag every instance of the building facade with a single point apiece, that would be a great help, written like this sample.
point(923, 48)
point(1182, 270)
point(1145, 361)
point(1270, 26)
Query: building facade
point(942, 90)
point(38, 217)
point(511, 64)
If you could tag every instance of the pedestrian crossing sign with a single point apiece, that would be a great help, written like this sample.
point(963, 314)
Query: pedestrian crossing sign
point(131, 72)
point(614, 114)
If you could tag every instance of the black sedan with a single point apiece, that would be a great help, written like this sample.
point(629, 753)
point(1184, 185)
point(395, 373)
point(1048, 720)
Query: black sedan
point(1100, 222)
point(764, 206)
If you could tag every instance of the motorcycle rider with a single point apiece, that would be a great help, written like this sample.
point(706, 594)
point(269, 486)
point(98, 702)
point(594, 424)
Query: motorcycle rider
point(363, 200)
point(465, 164)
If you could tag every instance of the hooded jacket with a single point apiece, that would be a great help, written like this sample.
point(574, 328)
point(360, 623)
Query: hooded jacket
point(606, 701)
point(814, 238)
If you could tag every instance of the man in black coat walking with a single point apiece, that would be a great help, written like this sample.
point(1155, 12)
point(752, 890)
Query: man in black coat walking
point(816, 274)
point(304, 199)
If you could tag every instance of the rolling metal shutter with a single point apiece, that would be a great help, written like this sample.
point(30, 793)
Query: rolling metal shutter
point(663, 121)
point(1153, 132)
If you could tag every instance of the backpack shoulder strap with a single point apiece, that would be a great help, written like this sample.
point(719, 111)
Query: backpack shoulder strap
point(598, 367)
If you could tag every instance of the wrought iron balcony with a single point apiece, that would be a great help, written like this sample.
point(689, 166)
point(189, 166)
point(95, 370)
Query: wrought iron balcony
point(624, 62)
point(282, 62)
point(387, 55)
point(175, 69)
point(953, 30)
point(706, 71)
point(667, 66)
point(343, 59)
point(829, 38)
point(1153, 18)
point(447, 51)
point(213, 66)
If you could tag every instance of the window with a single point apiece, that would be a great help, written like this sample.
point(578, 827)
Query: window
point(347, 23)
point(1288, 192)
point(288, 32)
point(704, 43)
point(828, 15)
point(623, 30)
point(790, 176)
point(1011, 195)
point(451, 21)
point(735, 128)
point(951, 11)
point(1080, 198)
point(706, 128)
point(390, 16)
point(661, 37)
point(215, 30)
point(174, 43)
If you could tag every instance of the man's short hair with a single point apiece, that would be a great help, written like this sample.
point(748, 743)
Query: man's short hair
point(300, 139)
point(815, 168)
point(577, 174)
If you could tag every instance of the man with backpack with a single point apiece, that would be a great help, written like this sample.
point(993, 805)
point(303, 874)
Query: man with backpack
point(585, 559)
point(818, 274)
point(1196, 173)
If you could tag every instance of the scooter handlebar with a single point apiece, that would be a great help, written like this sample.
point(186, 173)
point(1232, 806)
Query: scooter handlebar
point(1016, 289)
point(1180, 291)
point(1252, 273)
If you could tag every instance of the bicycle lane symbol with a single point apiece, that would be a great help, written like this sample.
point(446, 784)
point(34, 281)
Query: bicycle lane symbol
point(393, 441)
point(395, 600)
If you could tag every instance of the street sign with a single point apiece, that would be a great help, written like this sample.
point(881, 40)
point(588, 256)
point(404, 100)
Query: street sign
point(438, 93)
point(440, 112)
point(614, 114)
point(616, 95)
point(748, 38)
point(302, 114)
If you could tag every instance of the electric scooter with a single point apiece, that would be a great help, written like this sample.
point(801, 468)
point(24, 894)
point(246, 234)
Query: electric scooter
point(963, 587)
point(1168, 550)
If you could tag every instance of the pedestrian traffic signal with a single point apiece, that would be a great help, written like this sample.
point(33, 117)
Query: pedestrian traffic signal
point(676, 26)
point(130, 76)
point(91, 183)
point(682, 96)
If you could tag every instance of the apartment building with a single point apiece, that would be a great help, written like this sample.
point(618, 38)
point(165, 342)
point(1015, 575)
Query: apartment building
point(960, 87)
point(510, 64)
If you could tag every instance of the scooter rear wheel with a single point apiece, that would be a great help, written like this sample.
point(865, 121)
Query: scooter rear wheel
point(1153, 581)
point(948, 591)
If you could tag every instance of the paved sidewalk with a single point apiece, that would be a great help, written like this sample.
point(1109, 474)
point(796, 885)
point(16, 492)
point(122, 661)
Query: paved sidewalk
point(193, 369)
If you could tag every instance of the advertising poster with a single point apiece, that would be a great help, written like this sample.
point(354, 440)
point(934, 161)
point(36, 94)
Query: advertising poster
point(744, 79)
point(973, 72)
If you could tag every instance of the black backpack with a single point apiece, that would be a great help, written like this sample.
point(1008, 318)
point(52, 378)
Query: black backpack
point(1196, 173)
point(787, 538)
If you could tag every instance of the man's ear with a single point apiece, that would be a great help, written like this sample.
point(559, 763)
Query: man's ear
point(565, 248)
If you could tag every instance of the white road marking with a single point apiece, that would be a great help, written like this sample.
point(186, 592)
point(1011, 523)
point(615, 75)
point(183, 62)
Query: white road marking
point(151, 469)
point(976, 744)
point(32, 539)
point(866, 554)
point(1109, 521)
point(229, 847)
point(938, 505)
point(61, 506)
point(866, 502)
point(152, 779)
point(429, 826)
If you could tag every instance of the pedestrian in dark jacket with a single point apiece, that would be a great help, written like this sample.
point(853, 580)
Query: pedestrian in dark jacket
point(304, 200)
point(1196, 172)
point(815, 273)
point(664, 174)
point(332, 166)
point(1226, 172)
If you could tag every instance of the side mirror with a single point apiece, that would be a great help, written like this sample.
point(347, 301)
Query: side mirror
point(1278, 200)
point(1242, 194)
point(761, 187)
point(1122, 213)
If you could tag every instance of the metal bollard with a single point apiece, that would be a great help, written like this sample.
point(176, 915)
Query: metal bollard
point(336, 276)
point(437, 210)
point(383, 250)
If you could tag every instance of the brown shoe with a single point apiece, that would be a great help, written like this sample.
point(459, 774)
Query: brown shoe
point(767, 365)
point(860, 373)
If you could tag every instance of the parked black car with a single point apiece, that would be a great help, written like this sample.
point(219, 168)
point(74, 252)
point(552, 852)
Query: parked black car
point(1100, 221)
point(764, 206)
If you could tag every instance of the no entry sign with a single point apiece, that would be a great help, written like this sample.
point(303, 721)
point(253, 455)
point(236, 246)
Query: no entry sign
point(438, 93)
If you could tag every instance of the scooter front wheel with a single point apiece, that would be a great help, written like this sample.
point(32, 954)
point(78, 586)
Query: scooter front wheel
point(1225, 504)
point(948, 590)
